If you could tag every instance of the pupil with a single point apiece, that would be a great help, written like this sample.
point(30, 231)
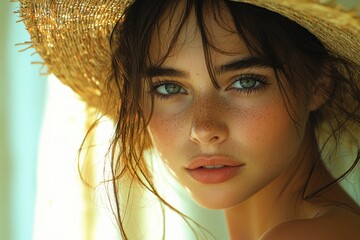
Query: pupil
point(248, 83)
point(172, 88)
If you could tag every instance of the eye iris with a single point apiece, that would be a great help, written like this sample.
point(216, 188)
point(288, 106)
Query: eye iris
point(247, 83)
point(172, 88)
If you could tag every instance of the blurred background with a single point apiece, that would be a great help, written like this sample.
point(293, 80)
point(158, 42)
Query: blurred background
point(24, 101)
point(22, 96)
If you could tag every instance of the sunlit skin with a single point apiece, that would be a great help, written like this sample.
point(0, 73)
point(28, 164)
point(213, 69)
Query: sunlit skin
point(245, 120)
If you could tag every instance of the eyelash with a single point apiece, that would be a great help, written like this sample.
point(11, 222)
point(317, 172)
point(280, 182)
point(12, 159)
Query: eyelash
point(261, 80)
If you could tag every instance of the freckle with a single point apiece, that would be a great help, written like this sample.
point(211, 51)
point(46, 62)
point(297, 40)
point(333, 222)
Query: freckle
point(173, 123)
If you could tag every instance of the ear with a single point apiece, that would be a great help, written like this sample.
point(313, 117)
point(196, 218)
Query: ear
point(321, 93)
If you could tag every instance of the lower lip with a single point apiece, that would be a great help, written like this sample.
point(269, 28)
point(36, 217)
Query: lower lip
point(214, 175)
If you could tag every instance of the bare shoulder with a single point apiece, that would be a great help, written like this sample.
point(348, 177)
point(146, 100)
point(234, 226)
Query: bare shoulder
point(333, 224)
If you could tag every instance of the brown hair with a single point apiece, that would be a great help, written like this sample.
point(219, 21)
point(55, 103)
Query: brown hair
point(287, 47)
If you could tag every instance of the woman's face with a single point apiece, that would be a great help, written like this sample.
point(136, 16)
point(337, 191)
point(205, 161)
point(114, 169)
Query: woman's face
point(222, 144)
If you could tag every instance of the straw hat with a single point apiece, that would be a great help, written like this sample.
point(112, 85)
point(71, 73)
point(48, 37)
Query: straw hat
point(72, 36)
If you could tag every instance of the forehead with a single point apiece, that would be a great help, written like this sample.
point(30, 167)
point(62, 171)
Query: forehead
point(179, 30)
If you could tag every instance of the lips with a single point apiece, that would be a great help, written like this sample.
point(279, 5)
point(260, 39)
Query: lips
point(211, 161)
point(213, 170)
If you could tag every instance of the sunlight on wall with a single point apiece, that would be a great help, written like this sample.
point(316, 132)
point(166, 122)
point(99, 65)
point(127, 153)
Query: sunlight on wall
point(62, 211)
point(59, 203)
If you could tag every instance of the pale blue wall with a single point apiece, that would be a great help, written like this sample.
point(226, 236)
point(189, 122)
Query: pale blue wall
point(21, 106)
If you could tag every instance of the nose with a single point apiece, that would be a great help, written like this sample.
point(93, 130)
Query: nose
point(209, 125)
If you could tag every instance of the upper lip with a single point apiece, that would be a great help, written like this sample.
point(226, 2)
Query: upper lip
point(202, 161)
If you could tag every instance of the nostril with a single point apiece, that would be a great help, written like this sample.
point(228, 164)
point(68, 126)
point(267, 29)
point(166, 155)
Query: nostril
point(215, 138)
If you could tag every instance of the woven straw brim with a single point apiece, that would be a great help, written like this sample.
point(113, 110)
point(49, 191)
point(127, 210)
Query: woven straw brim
point(337, 29)
point(72, 36)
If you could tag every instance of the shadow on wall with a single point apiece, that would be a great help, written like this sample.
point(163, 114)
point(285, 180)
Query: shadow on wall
point(5, 162)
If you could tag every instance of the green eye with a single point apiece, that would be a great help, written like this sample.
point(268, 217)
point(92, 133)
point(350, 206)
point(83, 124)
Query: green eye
point(249, 83)
point(167, 89)
point(246, 83)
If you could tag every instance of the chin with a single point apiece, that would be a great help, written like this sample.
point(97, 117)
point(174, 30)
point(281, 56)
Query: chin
point(218, 200)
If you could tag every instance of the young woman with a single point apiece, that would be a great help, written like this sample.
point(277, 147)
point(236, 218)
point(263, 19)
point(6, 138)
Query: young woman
point(246, 103)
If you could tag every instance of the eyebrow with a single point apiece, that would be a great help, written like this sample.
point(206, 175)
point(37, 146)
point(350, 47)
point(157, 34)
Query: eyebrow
point(241, 64)
point(165, 71)
point(235, 65)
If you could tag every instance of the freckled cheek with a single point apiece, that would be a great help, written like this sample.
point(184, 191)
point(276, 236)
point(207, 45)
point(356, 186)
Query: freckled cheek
point(166, 131)
point(267, 129)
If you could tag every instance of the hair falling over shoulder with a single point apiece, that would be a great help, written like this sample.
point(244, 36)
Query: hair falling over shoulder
point(288, 48)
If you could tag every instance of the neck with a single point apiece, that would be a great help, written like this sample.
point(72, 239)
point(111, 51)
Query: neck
point(278, 202)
